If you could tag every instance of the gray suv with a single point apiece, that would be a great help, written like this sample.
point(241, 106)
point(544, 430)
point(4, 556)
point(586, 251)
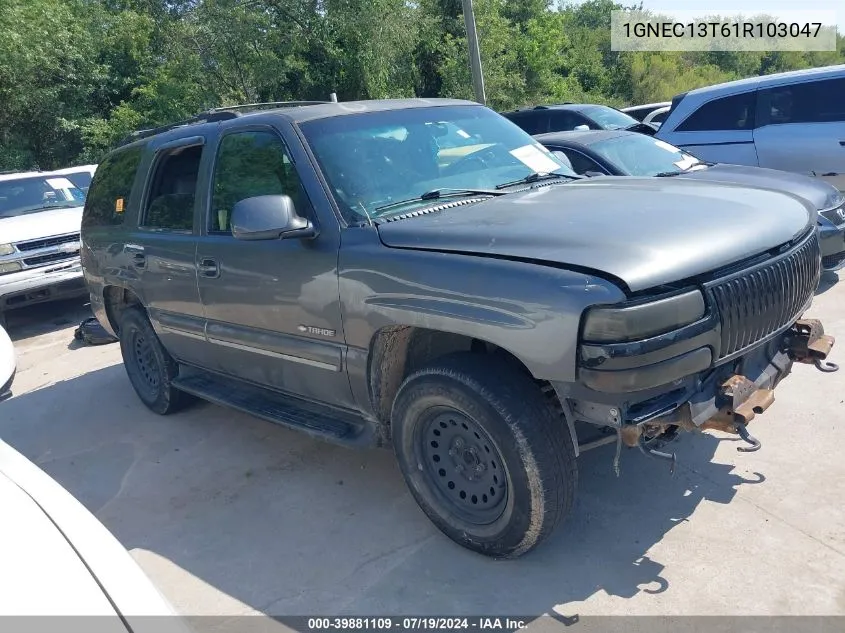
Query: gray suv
point(422, 273)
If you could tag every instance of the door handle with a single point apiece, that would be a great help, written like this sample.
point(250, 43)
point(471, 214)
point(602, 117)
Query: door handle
point(208, 267)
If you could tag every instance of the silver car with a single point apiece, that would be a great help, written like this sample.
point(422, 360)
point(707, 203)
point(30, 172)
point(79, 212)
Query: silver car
point(792, 121)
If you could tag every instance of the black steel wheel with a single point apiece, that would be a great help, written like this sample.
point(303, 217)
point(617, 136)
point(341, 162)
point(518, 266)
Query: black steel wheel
point(484, 454)
point(464, 464)
point(150, 368)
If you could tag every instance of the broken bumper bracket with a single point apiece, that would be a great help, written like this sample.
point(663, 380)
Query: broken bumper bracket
point(807, 343)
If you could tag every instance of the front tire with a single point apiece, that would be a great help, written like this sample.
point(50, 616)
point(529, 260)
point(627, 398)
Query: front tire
point(484, 454)
point(150, 368)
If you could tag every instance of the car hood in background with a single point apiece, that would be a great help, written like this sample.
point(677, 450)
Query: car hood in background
point(823, 195)
point(643, 231)
point(41, 224)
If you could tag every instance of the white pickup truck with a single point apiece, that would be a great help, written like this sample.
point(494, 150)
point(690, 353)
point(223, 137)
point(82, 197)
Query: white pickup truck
point(40, 217)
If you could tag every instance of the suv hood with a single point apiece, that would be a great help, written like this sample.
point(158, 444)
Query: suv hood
point(41, 224)
point(823, 195)
point(643, 231)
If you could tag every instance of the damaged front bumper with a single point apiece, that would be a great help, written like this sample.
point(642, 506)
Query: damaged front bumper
point(726, 398)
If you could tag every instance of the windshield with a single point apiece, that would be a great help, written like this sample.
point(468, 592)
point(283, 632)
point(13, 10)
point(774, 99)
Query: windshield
point(639, 155)
point(376, 159)
point(31, 195)
point(608, 118)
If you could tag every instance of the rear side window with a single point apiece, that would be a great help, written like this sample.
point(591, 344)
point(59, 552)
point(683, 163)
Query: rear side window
point(812, 102)
point(109, 193)
point(170, 203)
point(531, 122)
point(728, 113)
point(565, 120)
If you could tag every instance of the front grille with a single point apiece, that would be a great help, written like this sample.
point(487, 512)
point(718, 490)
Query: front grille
point(755, 303)
point(831, 261)
point(42, 260)
point(34, 245)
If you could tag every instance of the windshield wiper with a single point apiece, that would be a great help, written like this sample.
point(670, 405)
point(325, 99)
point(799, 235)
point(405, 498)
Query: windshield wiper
point(434, 194)
point(535, 177)
point(678, 172)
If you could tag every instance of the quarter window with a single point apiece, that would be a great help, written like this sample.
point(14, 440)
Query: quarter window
point(811, 102)
point(728, 113)
point(249, 164)
point(170, 205)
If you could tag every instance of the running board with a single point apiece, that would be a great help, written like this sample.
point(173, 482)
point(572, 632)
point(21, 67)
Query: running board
point(325, 423)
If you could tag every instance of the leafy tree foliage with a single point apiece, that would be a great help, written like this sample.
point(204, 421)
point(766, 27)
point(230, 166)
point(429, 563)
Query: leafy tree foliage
point(78, 75)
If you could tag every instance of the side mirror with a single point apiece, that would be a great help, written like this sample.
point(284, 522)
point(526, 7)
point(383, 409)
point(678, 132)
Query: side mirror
point(581, 128)
point(592, 174)
point(269, 218)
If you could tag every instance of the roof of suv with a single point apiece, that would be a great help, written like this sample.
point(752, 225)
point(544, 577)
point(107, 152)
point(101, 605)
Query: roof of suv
point(767, 80)
point(297, 112)
point(22, 174)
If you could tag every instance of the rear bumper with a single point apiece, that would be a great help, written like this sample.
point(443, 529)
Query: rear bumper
point(38, 285)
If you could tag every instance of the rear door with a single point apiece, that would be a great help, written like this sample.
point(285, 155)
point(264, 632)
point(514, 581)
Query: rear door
point(801, 128)
point(720, 130)
point(272, 306)
point(161, 251)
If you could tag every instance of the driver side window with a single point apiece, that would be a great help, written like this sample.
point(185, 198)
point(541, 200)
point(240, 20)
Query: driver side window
point(253, 163)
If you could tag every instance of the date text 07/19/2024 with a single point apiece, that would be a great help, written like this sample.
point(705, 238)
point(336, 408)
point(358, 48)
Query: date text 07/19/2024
point(407, 623)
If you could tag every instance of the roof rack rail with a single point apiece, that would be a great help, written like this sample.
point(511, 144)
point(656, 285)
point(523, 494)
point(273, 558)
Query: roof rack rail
point(268, 104)
point(209, 116)
point(222, 113)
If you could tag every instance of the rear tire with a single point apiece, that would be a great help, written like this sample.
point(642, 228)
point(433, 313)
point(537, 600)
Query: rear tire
point(150, 368)
point(484, 454)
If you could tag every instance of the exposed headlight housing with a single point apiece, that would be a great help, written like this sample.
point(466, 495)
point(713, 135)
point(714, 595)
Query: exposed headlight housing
point(6, 249)
point(625, 323)
point(9, 267)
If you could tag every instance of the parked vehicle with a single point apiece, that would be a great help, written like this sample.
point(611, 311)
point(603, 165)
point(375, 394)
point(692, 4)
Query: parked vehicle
point(330, 268)
point(80, 176)
point(623, 153)
point(575, 116)
point(657, 117)
point(8, 365)
point(640, 112)
point(40, 215)
point(793, 121)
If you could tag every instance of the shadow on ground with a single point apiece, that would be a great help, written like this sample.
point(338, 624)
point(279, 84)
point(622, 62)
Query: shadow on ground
point(289, 525)
point(44, 318)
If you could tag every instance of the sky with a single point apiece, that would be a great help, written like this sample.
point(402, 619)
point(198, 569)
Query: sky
point(748, 7)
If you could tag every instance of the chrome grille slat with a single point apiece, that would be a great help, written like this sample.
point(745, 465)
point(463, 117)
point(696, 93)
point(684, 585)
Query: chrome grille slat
point(756, 303)
point(46, 242)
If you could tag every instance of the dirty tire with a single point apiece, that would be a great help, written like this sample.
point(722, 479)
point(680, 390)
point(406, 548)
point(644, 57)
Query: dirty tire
point(150, 368)
point(484, 454)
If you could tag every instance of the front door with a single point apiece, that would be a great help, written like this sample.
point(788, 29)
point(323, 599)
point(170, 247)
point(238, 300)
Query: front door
point(272, 306)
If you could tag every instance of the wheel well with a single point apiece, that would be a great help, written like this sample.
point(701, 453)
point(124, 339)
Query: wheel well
point(116, 300)
point(398, 351)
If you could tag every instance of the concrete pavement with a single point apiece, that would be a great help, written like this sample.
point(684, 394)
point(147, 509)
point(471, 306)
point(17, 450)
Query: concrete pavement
point(232, 515)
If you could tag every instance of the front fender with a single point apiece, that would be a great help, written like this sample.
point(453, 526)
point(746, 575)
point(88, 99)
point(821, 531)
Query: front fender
point(531, 310)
